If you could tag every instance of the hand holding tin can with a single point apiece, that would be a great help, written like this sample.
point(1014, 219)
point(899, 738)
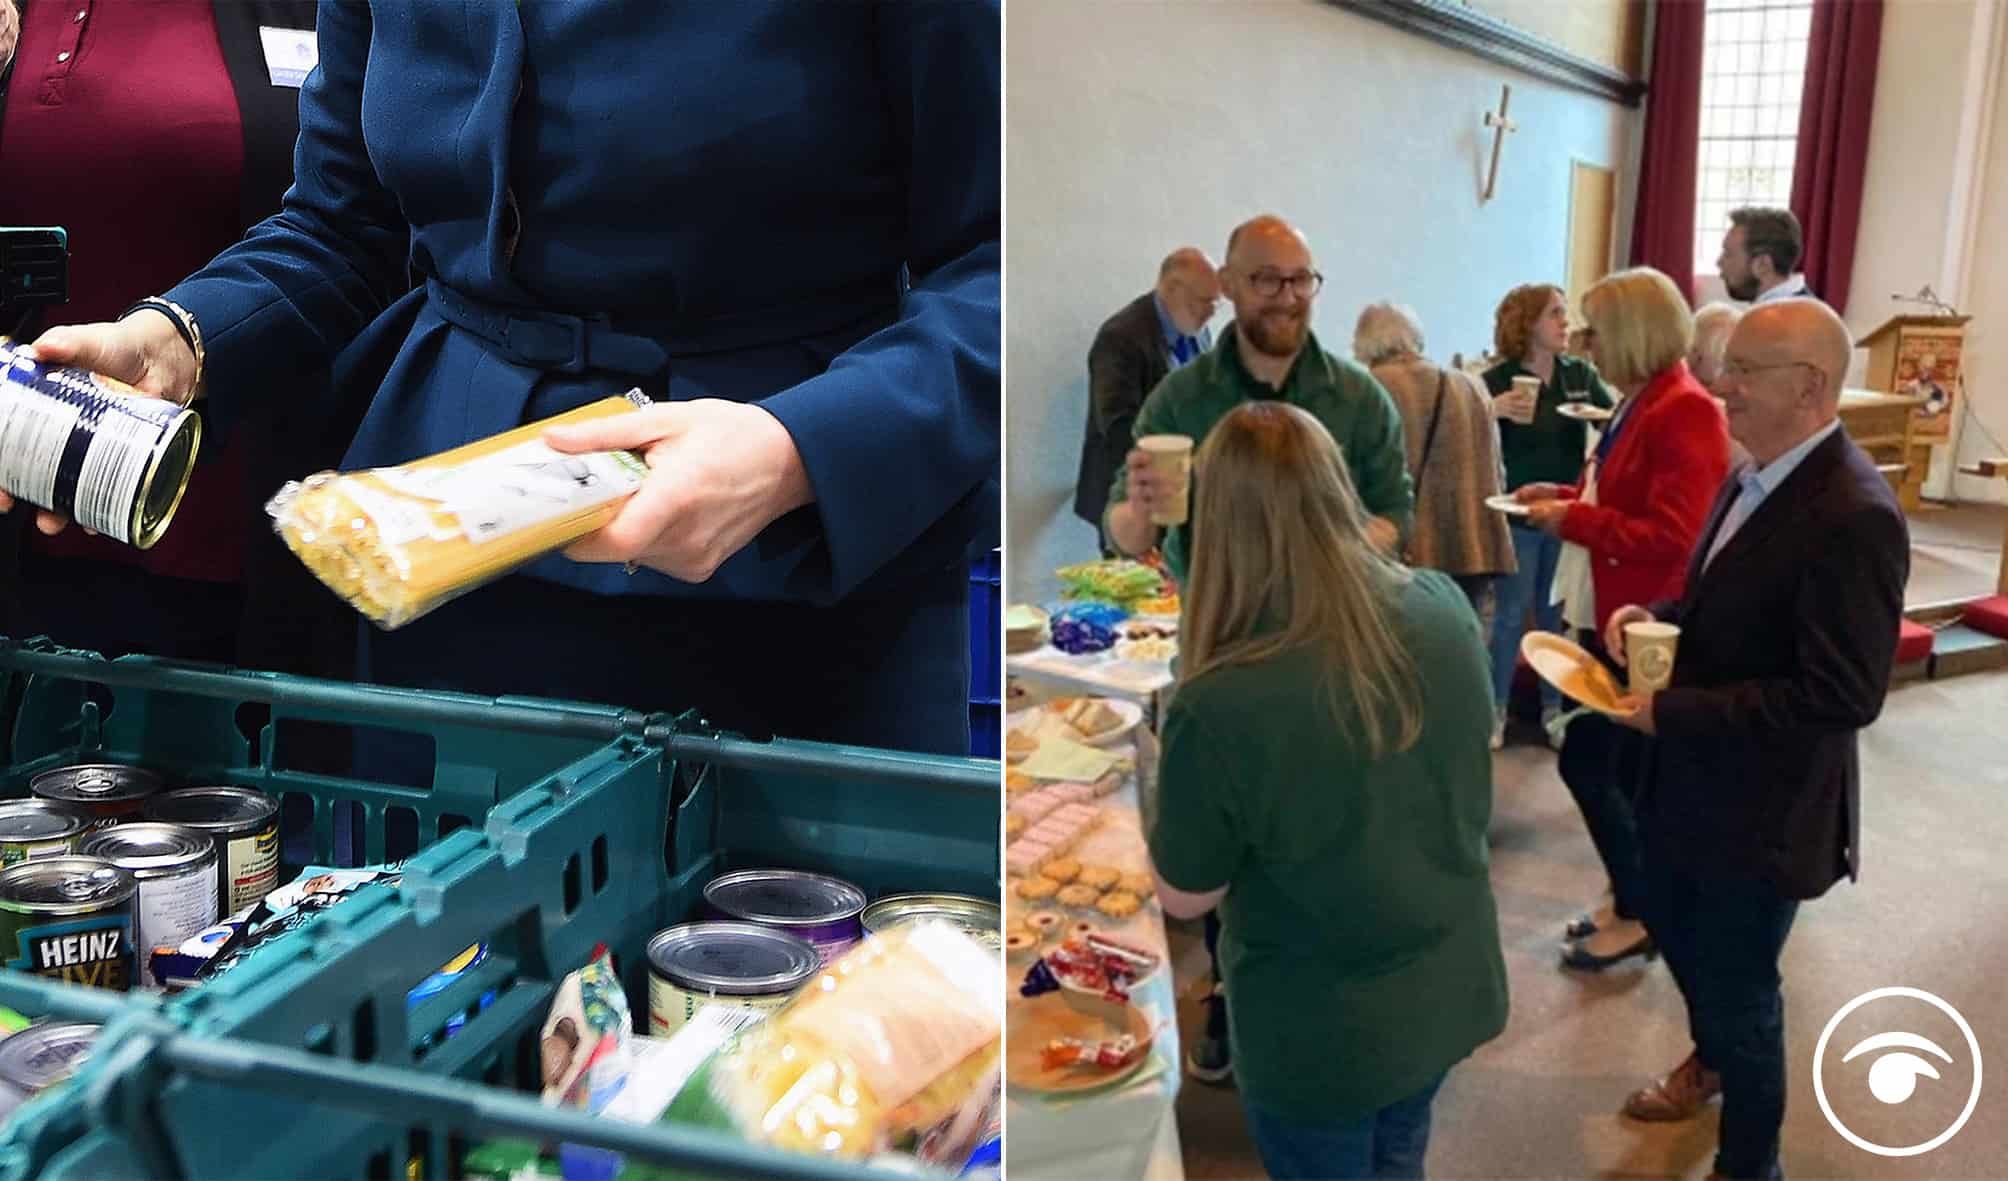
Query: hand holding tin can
point(86, 446)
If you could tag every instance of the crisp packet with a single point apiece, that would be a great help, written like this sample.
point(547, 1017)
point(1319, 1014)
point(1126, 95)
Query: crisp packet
point(397, 542)
point(218, 948)
point(585, 1052)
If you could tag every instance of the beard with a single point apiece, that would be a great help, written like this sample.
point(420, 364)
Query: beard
point(1743, 290)
point(1278, 333)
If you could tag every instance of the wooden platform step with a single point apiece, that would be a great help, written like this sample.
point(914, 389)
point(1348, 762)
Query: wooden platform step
point(1959, 649)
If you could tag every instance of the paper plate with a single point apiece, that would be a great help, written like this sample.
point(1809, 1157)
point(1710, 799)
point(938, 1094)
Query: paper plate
point(1504, 503)
point(1574, 671)
point(1583, 412)
point(1131, 714)
point(1040, 1019)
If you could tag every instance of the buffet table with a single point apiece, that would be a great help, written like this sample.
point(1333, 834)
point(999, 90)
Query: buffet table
point(1130, 1129)
point(1100, 674)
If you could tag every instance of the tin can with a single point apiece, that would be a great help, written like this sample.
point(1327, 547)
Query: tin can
point(70, 919)
point(981, 919)
point(176, 871)
point(45, 1054)
point(38, 828)
point(823, 910)
point(741, 965)
point(93, 449)
point(108, 792)
point(245, 824)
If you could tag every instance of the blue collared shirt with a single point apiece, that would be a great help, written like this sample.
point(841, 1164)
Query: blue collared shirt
point(1758, 483)
point(1183, 348)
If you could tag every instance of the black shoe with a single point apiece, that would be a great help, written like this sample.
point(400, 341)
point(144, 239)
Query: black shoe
point(1208, 1059)
point(1578, 956)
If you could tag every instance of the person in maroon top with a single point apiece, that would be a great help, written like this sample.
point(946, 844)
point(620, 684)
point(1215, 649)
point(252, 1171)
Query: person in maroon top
point(155, 134)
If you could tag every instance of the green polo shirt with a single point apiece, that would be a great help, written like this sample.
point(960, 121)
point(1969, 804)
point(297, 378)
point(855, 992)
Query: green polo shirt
point(1340, 394)
point(1551, 448)
point(1359, 939)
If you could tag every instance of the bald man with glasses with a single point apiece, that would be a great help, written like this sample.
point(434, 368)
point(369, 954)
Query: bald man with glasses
point(1268, 352)
point(1751, 796)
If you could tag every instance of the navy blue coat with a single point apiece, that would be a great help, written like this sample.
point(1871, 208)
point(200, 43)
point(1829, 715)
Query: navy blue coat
point(794, 204)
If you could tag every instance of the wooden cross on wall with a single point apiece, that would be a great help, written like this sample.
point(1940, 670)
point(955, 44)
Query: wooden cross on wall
point(1500, 125)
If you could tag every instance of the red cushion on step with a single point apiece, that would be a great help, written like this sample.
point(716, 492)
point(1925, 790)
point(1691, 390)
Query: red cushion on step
point(1990, 616)
point(1913, 642)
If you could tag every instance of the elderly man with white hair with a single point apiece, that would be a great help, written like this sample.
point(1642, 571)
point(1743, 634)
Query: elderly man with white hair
point(1452, 454)
point(1714, 323)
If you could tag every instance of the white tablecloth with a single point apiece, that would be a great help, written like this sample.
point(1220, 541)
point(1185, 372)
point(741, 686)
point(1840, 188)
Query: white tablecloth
point(1130, 1131)
point(1098, 672)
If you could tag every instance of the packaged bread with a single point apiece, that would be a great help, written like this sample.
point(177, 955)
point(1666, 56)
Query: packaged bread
point(896, 1036)
point(397, 542)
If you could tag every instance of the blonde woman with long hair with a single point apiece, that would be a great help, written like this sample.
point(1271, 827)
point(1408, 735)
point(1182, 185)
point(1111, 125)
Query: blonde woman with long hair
point(1326, 783)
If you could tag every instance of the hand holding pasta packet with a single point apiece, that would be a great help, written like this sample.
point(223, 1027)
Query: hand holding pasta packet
point(397, 542)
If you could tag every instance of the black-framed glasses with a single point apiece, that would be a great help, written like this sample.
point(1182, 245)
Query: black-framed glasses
point(1269, 284)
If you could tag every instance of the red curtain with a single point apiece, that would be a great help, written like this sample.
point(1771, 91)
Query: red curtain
point(1833, 148)
point(1663, 222)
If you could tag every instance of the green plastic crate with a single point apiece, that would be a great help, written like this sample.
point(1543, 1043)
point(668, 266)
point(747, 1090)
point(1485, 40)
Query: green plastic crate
point(198, 723)
point(309, 1042)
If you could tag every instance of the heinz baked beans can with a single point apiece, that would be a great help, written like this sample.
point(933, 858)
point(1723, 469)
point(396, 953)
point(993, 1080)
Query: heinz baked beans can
point(69, 919)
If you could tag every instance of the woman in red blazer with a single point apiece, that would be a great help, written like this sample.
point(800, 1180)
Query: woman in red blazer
point(1630, 522)
point(155, 134)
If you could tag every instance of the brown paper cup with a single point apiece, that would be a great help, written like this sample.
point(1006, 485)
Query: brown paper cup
point(1526, 397)
point(1649, 653)
point(1171, 455)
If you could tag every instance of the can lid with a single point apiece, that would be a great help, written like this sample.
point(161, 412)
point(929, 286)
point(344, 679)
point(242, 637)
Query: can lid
point(44, 1054)
point(95, 782)
point(734, 959)
point(213, 807)
point(39, 820)
point(151, 845)
point(789, 897)
point(83, 883)
point(962, 910)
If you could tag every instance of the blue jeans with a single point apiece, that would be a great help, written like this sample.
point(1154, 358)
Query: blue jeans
point(1722, 936)
point(1532, 585)
point(1389, 1143)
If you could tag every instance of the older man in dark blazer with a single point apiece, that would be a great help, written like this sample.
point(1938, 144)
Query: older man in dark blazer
point(1751, 800)
point(1152, 335)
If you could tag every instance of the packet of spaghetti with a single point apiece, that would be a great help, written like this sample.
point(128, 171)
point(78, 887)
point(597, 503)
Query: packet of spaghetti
point(396, 542)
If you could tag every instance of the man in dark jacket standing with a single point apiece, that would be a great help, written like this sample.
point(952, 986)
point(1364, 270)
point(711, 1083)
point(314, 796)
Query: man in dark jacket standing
point(1152, 335)
point(1751, 800)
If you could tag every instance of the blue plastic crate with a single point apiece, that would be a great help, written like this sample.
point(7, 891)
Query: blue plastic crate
point(986, 647)
point(309, 1041)
point(986, 729)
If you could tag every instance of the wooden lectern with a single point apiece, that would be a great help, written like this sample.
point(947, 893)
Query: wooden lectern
point(1917, 359)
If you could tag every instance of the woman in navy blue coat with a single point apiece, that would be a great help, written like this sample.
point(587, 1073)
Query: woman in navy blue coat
point(781, 218)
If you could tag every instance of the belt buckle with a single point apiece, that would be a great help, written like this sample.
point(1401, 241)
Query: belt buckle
point(538, 339)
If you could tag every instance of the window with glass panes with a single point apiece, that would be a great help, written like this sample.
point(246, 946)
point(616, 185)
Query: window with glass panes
point(1753, 69)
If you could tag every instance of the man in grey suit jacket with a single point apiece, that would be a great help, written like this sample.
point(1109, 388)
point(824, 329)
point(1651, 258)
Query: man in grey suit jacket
point(1152, 335)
